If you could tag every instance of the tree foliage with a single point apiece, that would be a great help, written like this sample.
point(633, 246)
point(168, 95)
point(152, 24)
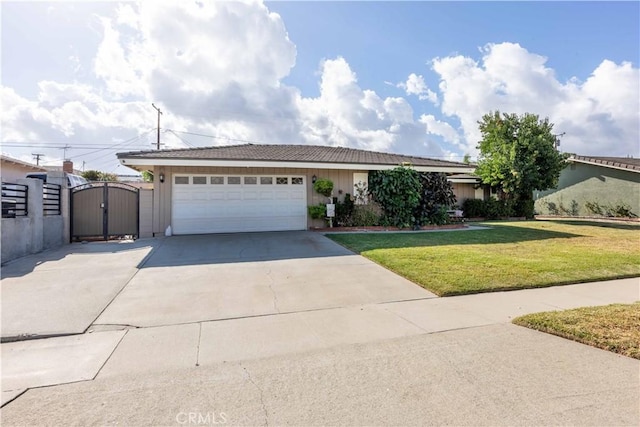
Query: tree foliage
point(518, 155)
point(147, 176)
point(436, 195)
point(323, 186)
point(94, 175)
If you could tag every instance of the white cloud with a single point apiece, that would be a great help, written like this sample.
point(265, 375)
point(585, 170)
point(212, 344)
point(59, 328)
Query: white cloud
point(443, 129)
point(599, 116)
point(415, 85)
point(345, 114)
point(214, 68)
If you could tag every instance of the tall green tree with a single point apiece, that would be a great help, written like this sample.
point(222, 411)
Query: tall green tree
point(518, 155)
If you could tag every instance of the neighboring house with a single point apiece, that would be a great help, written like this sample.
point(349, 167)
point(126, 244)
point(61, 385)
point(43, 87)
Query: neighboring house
point(605, 181)
point(12, 169)
point(258, 187)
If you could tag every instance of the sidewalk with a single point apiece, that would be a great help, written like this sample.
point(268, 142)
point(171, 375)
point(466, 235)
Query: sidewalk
point(121, 352)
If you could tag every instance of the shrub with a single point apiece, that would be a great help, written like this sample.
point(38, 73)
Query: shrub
point(436, 196)
point(344, 211)
point(474, 208)
point(317, 211)
point(523, 208)
point(439, 217)
point(323, 186)
point(365, 216)
point(397, 191)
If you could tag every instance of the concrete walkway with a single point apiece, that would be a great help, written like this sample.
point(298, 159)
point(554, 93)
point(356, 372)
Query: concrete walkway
point(459, 346)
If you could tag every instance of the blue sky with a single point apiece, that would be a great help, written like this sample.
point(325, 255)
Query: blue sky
point(409, 77)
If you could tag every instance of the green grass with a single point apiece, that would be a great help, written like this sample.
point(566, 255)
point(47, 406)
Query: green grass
point(508, 255)
point(613, 327)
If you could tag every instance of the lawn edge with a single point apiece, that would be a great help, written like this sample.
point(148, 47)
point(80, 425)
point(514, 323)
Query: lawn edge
point(523, 321)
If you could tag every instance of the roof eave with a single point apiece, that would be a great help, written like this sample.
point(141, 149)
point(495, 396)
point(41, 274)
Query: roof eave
point(594, 162)
point(137, 162)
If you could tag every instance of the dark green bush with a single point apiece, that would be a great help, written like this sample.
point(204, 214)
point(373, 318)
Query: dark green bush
point(397, 191)
point(317, 211)
point(436, 196)
point(474, 208)
point(523, 208)
point(344, 211)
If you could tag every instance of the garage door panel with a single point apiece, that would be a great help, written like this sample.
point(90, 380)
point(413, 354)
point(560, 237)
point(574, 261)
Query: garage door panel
point(251, 203)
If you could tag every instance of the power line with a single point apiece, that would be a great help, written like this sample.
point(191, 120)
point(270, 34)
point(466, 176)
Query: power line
point(37, 157)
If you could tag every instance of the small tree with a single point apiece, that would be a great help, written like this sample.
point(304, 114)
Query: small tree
point(91, 175)
point(518, 155)
point(147, 176)
point(324, 187)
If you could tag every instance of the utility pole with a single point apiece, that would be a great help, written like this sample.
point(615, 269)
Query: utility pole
point(557, 142)
point(37, 157)
point(159, 114)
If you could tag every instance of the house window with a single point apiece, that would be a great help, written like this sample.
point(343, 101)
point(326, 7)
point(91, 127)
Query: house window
point(282, 180)
point(182, 180)
point(296, 181)
point(233, 180)
point(217, 180)
point(200, 180)
point(250, 180)
point(266, 180)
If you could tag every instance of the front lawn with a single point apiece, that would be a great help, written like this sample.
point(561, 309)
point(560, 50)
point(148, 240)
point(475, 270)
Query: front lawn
point(508, 255)
point(613, 327)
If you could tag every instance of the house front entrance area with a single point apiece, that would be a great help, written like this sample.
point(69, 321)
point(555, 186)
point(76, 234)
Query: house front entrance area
point(204, 204)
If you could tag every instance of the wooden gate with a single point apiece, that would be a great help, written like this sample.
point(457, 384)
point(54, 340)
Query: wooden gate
point(104, 210)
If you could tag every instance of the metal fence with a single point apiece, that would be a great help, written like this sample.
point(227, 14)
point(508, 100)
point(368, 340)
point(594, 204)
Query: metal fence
point(51, 199)
point(14, 200)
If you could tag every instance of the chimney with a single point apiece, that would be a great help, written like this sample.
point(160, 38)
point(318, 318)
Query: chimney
point(67, 166)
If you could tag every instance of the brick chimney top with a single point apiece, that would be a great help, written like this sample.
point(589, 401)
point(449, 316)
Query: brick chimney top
point(67, 166)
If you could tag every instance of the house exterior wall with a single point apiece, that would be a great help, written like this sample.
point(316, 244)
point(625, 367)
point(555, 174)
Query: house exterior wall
point(580, 183)
point(464, 191)
point(342, 180)
point(146, 213)
point(10, 172)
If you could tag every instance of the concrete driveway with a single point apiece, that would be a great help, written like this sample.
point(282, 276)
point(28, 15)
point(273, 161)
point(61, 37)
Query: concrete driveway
point(210, 277)
point(63, 291)
point(185, 279)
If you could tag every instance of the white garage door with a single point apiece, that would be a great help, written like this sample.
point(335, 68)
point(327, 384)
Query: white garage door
point(235, 203)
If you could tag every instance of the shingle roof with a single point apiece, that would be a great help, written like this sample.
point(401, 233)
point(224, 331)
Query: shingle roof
point(630, 163)
point(289, 153)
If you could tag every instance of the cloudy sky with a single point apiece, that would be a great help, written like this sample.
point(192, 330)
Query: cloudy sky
point(411, 77)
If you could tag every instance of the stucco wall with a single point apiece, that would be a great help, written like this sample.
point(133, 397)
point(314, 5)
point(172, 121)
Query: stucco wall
point(31, 234)
point(580, 183)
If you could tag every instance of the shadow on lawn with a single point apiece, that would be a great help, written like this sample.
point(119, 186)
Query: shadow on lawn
point(493, 234)
point(601, 224)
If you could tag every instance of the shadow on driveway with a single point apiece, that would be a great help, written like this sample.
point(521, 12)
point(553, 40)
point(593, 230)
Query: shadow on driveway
point(50, 259)
point(242, 247)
